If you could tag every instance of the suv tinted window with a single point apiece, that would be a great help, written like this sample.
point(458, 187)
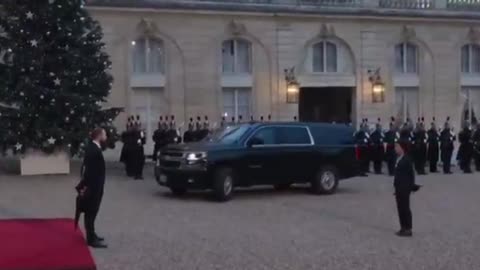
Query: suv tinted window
point(293, 135)
point(267, 135)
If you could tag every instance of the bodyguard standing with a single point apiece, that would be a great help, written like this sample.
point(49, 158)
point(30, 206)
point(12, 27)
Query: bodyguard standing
point(391, 137)
point(377, 148)
point(404, 184)
point(465, 152)
point(433, 146)
point(138, 156)
point(476, 147)
point(447, 139)
point(92, 185)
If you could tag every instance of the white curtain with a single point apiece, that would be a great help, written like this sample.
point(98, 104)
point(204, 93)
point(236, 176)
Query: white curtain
point(243, 56)
point(471, 100)
point(139, 56)
point(475, 58)
point(317, 54)
point(229, 102)
point(228, 56)
point(243, 102)
point(156, 56)
point(406, 103)
point(465, 59)
point(236, 102)
point(399, 58)
point(412, 55)
point(331, 55)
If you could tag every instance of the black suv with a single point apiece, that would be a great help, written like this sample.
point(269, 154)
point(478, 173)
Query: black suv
point(245, 155)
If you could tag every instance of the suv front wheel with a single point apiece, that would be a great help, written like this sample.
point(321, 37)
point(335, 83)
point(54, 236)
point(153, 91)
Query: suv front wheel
point(223, 184)
point(325, 181)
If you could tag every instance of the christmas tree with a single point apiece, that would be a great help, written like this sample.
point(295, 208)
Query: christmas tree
point(54, 78)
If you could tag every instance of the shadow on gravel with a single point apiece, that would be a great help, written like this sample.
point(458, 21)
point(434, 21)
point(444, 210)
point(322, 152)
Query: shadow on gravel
point(258, 193)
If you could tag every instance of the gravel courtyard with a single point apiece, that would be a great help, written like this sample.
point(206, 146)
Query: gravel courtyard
point(146, 228)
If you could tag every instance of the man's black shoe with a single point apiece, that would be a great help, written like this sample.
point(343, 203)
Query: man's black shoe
point(138, 177)
point(404, 233)
point(97, 244)
point(99, 238)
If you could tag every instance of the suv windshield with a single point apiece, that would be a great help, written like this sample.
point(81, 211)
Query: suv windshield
point(229, 134)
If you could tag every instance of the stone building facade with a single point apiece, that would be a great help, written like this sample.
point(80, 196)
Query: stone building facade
point(214, 58)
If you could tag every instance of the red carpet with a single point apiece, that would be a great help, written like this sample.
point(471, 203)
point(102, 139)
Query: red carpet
point(43, 244)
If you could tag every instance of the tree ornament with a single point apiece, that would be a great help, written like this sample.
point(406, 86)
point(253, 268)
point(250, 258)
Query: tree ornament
point(67, 119)
point(51, 140)
point(29, 15)
point(84, 119)
point(41, 96)
point(18, 146)
point(34, 43)
point(52, 74)
point(57, 81)
point(22, 94)
point(72, 111)
point(51, 1)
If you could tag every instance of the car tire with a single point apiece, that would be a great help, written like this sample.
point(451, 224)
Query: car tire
point(325, 180)
point(178, 191)
point(283, 186)
point(223, 184)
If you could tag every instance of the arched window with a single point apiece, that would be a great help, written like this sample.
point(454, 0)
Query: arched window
point(406, 58)
point(236, 56)
point(148, 56)
point(325, 57)
point(471, 58)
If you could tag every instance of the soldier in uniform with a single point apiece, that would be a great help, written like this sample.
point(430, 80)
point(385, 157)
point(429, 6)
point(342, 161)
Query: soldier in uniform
point(223, 122)
point(362, 141)
point(158, 138)
point(240, 119)
point(251, 119)
point(378, 149)
point(205, 128)
point(406, 136)
point(138, 153)
point(447, 139)
point(261, 118)
point(476, 147)
point(188, 136)
point(172, 133)
point(126, 140)
point(465, 152)
point(419, 143)
point(433, 146)
point(391, 137)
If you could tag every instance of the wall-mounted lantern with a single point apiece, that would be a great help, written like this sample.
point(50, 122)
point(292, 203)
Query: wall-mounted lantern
point(293, 87)
point(378, 87)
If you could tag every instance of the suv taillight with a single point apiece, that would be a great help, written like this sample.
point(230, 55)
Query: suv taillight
point(357, 152)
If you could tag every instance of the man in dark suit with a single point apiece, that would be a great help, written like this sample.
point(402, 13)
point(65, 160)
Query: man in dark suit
point(404, 183)
point(92, 184)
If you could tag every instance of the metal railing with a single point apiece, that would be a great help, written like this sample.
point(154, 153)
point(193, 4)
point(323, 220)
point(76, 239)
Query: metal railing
point(407, 4)
point(463, 4)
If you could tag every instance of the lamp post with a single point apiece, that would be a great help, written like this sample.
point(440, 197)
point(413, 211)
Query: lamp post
point(293, 87)
point(378, 87)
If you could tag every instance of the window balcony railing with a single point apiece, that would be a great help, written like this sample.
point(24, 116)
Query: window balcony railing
point(407, 4)
point(463, 4)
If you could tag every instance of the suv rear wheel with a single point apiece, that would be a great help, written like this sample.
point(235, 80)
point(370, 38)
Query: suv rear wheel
point(325, 181)
point(223, 184)
point(282, 186)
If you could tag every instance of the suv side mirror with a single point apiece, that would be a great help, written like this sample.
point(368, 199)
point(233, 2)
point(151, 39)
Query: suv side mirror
point(255, 141)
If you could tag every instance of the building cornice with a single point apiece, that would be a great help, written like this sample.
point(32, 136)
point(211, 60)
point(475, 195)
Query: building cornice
point(284, 10)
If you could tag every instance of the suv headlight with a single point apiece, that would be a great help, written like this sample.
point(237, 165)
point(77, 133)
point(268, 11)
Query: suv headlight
point(193, 157)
